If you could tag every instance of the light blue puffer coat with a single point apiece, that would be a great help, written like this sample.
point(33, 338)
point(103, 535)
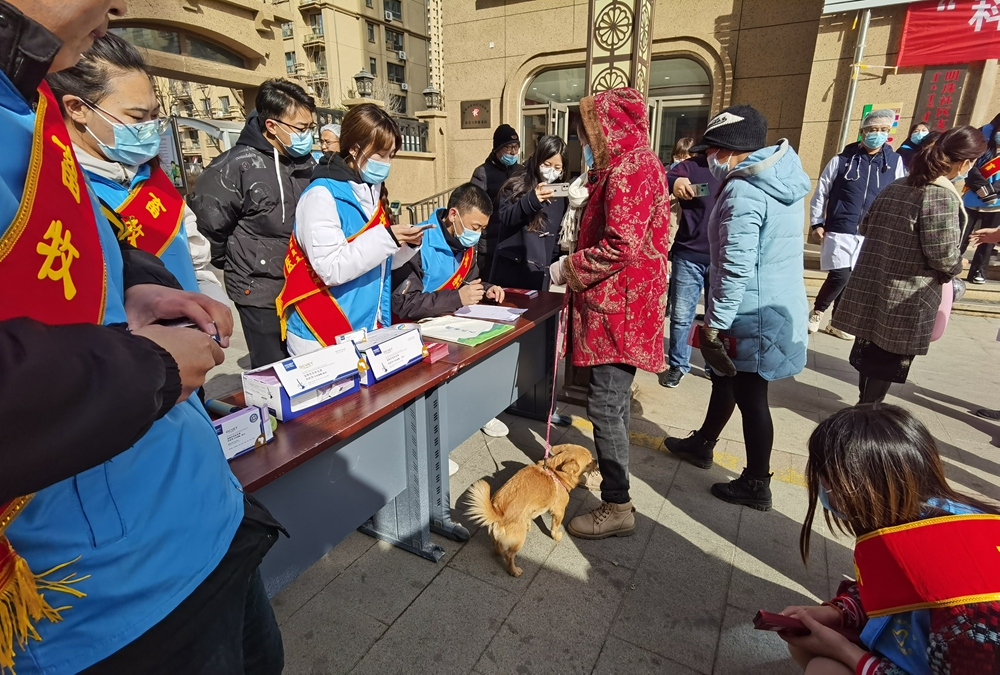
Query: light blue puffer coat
point(755, 238)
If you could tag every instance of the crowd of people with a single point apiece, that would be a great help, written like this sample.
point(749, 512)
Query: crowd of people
point(126, 543)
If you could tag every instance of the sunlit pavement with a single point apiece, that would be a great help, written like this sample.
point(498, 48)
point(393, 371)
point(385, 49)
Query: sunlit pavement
point(676, 597)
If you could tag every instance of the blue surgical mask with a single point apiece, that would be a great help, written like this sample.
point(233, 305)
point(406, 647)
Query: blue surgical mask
point(468, 238)
point(719, 169)
point(509, 160)
point(874, 140)
point(960, 177)
point(824, 499)
point(918, 136)
point(302, 143)
point(588, 156)
point(135, 144)
point(996, 138)
point(375, 171)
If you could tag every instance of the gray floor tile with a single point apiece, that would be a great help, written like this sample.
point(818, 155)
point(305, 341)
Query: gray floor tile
point(561, 621)
point(325, 639)
point(619, 656)
point(313, 580)
point(745, 651)
point(478, 559)
point(444, 631)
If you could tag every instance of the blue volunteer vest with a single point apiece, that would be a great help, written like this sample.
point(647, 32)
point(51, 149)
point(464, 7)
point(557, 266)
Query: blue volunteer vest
point(860, 178)
point(437, 259)
point(177, 257)
point(359, 298)
point(147, 526)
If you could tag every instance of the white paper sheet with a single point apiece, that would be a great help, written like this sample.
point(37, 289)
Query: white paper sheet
point(491, 313)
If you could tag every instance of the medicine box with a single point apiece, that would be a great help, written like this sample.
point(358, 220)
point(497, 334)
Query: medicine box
point(294, 386)
point(244, 430)
point(386, 351)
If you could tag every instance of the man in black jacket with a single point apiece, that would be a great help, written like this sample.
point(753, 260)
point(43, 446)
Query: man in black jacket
point(490, 176)
point(245, 202)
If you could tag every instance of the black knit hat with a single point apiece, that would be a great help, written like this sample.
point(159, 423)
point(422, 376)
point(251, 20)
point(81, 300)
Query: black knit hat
point(504, 135)
point(738, 127)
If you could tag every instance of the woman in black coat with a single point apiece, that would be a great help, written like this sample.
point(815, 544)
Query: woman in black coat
point(529, 217)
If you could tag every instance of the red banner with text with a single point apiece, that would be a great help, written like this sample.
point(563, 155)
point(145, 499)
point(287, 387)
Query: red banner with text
point(940, 32)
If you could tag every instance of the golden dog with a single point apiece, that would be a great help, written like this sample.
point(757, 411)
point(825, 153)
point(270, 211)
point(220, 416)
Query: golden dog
point(528, 494)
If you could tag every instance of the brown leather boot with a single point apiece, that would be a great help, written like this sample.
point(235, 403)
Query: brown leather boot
point(607, 520)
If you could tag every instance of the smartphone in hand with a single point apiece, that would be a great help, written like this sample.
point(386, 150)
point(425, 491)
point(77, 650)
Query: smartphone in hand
point(701, 189)
point(779, 623)
point(559, 189)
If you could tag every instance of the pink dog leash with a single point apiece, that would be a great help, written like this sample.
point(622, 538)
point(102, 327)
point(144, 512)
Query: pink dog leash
point(559, 355)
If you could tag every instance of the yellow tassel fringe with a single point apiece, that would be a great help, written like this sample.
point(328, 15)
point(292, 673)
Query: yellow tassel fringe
point(22, 605)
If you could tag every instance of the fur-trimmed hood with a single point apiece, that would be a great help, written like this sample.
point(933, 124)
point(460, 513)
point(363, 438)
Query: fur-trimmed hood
point(616, 122)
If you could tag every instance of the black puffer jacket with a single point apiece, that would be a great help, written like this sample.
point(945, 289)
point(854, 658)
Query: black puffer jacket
point(238, 201)
point(490, 176)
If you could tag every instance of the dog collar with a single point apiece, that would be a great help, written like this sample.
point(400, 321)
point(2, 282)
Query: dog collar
point(555, 478)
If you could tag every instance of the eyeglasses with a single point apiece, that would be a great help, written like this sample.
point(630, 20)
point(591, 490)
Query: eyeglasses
point(301, 130)
point(884, 130)
point(511, 149)
point(142, 131)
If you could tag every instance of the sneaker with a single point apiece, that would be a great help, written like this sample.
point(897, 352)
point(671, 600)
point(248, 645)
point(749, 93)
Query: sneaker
point(836, 332)
point(815, 318)
point(452, 467)
point(671, 377)
point(988, 414)
point(695, 449)
point(591, 480)
point(495, 428)
point(607, 520)
point(746, 491)
point(977, 278)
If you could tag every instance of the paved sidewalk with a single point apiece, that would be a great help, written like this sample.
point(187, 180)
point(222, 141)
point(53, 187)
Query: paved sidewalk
point(678, 596)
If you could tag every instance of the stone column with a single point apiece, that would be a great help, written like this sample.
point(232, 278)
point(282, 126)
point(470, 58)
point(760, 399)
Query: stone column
point(619, 45)
point(437, 137)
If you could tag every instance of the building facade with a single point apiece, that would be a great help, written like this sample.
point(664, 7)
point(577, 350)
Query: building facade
point(525, 61)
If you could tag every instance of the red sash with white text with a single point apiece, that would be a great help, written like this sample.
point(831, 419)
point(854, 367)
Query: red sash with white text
point(456, 280)
point(152, 214)
point(52, 270)
point(307, 293)
point(937, 562)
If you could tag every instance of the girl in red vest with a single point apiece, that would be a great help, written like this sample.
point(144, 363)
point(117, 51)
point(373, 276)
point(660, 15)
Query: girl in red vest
point(927, 595)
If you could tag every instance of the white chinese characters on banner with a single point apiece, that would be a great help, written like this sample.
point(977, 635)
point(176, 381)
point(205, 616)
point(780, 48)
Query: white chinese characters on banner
point(983, 13)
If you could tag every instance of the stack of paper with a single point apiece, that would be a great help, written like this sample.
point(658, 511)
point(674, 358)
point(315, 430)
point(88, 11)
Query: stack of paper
point(491, 313)
point(470, 332)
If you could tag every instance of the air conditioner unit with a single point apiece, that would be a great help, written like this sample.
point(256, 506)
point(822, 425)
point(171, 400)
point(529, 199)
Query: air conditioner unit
point(401, 55)
point(388, 17)
point(404, 86)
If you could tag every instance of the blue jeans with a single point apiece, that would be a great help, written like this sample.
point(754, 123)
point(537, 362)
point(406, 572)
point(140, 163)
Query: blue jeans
point(687, 278)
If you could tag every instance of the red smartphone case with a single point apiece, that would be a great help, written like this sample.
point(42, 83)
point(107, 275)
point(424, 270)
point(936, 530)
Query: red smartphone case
point(779, 623)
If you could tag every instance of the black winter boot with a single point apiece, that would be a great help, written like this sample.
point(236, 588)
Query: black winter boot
point(746, 491)
point(695, 449)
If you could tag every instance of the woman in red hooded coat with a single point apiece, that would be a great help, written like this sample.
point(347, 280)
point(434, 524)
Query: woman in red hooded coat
point(618, 281)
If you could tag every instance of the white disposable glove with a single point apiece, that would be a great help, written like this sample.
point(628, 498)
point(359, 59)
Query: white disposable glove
point(556, 273)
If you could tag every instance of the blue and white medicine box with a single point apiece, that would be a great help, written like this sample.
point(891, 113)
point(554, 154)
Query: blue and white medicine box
point(244, 430)
point(296, 385)
point(386, 351)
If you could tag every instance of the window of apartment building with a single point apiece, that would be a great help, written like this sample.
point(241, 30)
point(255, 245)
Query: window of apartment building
point(224, 104)
point(395, 73)
point(179, 42)
point(319, 61)
point(290, 62)
point(393, 40)
point(206, 107)
point(192, 137)
point(371, 32)
point(369, 3)
point(372, 65)
point(397, 104)
point(316, 23)
point(395, 8)
point(286, 29)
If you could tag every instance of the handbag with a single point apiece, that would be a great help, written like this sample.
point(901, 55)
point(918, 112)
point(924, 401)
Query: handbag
point(950, 294)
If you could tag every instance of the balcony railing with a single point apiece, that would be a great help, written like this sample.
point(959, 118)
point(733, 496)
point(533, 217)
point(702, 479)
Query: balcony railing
point(314, 38)
point(414, 133)
point(317, 75)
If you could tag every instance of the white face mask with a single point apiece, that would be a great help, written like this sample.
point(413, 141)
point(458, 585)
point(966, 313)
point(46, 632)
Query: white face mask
point(550, 173)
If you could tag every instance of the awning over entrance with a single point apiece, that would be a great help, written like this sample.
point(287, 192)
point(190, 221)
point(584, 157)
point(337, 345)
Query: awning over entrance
point(834, 6)
point(227, 132)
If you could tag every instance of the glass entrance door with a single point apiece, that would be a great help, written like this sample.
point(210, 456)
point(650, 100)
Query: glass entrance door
point(673, 118)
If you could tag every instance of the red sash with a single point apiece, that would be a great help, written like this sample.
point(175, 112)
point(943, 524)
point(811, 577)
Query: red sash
point(310, 296)
point(937, 562)
point(990, 168)
point(52, 270)
point(152, 214)
point(51, 262)
point(456, 280)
